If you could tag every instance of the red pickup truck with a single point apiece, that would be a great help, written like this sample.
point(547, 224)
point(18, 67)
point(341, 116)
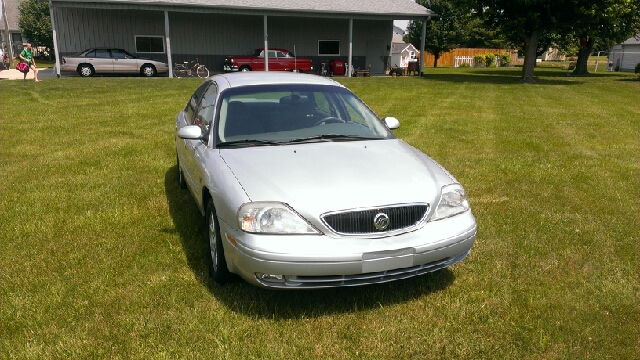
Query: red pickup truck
point(279, 60)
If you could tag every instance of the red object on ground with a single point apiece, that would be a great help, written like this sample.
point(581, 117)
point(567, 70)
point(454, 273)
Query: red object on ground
point(337, 67)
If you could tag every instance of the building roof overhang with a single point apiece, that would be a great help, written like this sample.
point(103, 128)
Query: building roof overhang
point(362, 9)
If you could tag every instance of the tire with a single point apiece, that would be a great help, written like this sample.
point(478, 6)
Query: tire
point(216, 262)
point(179, 72)
point(148, 70)
point(245, 68)
point(203, 72)
point(182, 183)
point(86, 70)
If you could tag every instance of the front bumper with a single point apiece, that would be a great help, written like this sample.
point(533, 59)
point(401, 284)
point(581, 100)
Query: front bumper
point(347, 261)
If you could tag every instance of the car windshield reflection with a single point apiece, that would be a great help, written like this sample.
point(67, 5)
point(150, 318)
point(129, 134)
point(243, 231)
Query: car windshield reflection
point(287, 114)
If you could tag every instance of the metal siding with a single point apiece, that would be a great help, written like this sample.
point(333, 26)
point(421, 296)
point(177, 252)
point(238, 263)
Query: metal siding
point(81, 29)
point(371, 39)
point(215, 34)
point(630, 57)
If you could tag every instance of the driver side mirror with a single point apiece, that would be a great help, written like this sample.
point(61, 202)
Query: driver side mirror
point(191, 132)
point(391, 122)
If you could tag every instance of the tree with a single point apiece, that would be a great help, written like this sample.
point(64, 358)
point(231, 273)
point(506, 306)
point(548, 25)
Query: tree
point(478, 35)
point(603, 24)
point(35, 23)
point(443, 33)
point(526, 22)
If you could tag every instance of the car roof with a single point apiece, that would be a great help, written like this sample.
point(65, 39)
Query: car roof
point(271, 78)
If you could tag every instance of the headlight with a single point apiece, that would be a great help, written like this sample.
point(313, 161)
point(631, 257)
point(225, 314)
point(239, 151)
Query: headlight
point(453, 201)
point(272, 218)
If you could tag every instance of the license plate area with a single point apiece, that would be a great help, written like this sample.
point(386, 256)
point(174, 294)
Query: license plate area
point(387, 260)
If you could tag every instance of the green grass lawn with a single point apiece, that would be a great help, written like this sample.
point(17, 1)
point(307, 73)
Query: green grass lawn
point(103, 254)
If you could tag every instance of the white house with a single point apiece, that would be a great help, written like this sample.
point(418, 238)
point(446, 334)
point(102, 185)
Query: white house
point(9, 25)
point(625, 56)
point(398, 34)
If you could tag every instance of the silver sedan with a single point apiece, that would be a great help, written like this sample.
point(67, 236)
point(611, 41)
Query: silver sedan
point(303, 186)
point(102, 60)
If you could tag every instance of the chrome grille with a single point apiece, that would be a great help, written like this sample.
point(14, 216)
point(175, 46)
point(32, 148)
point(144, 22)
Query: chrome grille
point(362, 221)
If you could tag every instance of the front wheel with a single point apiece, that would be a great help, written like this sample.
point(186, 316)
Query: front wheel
point(245, 68)
point(182, 183)
point(179, 72)
point(217, 264)
point(86, 70)
point(202, 71)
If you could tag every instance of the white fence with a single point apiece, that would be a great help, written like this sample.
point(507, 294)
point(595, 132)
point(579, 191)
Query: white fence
point(459, 60)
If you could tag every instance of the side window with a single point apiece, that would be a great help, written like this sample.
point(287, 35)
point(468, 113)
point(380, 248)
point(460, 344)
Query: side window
point(280, 54)
point(204, 114)
point(193, 102)
point(104, 54)
point(117, 54)
point(90, 54)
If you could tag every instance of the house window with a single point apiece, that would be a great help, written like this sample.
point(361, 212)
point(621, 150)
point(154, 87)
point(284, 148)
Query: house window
point(149, 44)
point(328, 47)
point(16, 38)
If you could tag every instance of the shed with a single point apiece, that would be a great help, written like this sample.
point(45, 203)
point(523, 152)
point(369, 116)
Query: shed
point(402, 54)
point(625, 56)
point(358, 32)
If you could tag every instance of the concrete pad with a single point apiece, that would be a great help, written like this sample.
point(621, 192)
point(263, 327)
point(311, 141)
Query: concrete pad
point(13, 74)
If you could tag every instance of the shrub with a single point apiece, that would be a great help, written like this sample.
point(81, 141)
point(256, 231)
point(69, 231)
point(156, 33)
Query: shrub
point(489, 59)
point(478, 60)
point(505, 59)
point(464, 65)
point(637, 68)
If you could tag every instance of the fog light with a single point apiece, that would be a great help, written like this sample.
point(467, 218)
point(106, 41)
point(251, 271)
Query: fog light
point(270, 277)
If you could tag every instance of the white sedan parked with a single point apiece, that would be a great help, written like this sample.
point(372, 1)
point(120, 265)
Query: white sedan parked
point(303, 186)
point(111, 61)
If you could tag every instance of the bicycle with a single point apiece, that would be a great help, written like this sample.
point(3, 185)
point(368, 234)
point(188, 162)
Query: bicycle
point(190, 68)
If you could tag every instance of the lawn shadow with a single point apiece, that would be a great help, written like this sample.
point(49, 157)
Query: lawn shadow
point(252, 301)
point(505, 77)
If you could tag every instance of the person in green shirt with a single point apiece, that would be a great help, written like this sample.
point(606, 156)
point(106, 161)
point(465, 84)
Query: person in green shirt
point(27, 56)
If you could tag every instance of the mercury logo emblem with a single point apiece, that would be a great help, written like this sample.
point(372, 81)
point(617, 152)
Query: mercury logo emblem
point(381, 221)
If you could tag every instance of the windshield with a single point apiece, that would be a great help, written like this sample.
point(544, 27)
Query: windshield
point(281, 114)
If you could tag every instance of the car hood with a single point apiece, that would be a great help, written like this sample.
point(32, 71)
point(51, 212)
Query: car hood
point(331, 176)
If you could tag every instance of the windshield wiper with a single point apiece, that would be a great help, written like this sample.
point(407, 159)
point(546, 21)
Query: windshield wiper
point(334, 137)
point(247, 143)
